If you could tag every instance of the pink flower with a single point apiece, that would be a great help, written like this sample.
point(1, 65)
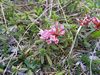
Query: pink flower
point(51, 36)
point(49, 41)
point(44, 35)
point(85, 21)
point(54, 39)
point(96, 21)
point(57, 29)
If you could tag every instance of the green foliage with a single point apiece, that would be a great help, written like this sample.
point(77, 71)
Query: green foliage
point(49, 60)
point(54, 16)
point(38, 10)
point(31, 64)
point(85, 59)
point(60, 73)
point(96, 34)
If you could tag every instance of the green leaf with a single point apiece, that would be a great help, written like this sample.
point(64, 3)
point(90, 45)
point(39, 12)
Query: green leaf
point(38, 10)
point(29, 72)
point(96, 34)
point(49, 60)
point(98, 3)
point(1, 1)
point(85, 60)
point(1, 70)
point(54, 47)
point(38, 41)
point(2, 37)
point(42, 59)
point(54, 16)
point(96, 61)
point(42, 52)
point(60, 73)
point(14, 68)
point(31, 64)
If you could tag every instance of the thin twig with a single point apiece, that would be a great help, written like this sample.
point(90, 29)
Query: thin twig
point(92, 58)
point(6, 59)
point(8, 63)
point(51, 3)
point(4, 18)
point(73, 44)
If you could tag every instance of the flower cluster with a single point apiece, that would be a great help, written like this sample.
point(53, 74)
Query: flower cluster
point(96, 21)
point(88, 19)
point(85, 21)
point(51, 35)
